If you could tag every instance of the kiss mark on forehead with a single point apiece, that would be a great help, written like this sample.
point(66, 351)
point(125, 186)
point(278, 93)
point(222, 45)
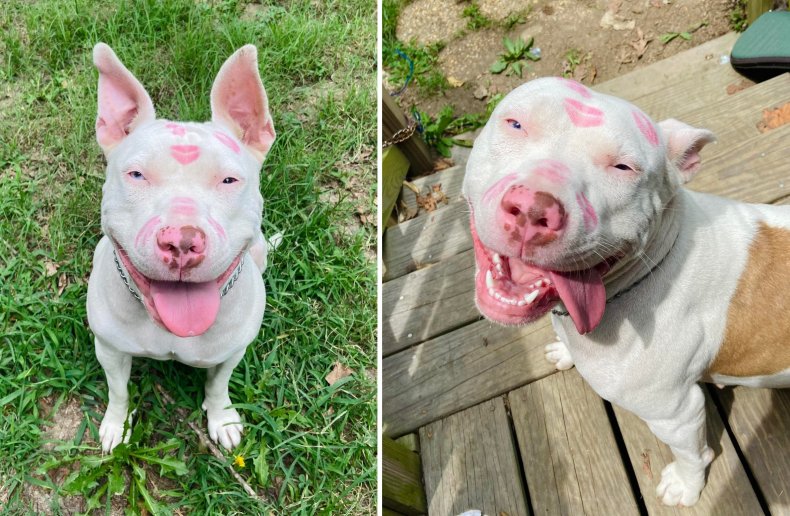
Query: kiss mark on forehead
point(176, 129)
point(227, 141)
point(185, 154)
point(583, 115)
point(646, 127)
point(577, 87)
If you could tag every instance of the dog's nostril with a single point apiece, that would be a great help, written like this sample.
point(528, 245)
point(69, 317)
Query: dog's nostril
point(542, 222)
point(514, 211)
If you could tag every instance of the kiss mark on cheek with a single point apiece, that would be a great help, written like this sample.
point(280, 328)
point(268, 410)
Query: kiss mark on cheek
point(646, 127)
point(588, 212)
point(577, 87)
point(185, 154)
point(217, 227)
point(147, 230)
point(176, 129)
point(227, 141)
point(553, 170)
point(582, 115)
point(499, 187)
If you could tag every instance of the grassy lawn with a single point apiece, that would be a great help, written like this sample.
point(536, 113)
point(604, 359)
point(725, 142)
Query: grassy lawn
point(308, 447)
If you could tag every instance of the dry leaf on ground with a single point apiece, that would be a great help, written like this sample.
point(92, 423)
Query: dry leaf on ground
point(338, 372)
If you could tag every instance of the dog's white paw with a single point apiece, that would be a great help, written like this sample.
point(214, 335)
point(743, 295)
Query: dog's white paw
point(557, 353)
point(111, 431)
point(678, 487)
point(224, 426)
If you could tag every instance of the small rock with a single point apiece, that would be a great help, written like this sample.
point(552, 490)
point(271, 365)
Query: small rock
point(480, 92)
point(609, 20)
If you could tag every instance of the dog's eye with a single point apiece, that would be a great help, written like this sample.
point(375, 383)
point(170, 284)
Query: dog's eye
point(136, 174)
point(623, 166)
point(229, 180)
point(515, 124)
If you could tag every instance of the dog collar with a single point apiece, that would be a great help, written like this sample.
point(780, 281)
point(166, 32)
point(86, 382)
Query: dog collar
point(133, 288)
point(563, 313)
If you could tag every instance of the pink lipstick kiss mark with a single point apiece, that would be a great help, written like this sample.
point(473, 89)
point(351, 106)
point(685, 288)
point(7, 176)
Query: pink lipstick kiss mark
point(217, 227)
point(176, 129)
point(185, 154)
point(227, 141)
point(553, 170)
point(498, 188)
point(588, 212)
point(147, 230)
point(582, 115)
point(577, 87)
point(646, 127)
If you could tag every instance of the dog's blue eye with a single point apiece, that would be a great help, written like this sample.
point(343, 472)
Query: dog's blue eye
point(136, 174)
point(229, 180)
point(514, 123)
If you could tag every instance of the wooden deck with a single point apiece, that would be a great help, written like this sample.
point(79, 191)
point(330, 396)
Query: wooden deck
point(499, 429)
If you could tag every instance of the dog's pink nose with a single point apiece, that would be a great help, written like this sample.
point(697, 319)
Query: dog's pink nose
point(531, 218)
point(182, 247)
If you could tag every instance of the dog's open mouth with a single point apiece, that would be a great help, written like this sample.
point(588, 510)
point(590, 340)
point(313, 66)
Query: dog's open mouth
point(185, 309)
point(511, 291)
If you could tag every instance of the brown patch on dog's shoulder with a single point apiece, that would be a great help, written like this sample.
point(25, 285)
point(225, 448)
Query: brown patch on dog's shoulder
point(757, 337)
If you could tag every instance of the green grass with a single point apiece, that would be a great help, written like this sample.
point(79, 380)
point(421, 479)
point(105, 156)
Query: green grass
point(308, 448)
point(475, 19)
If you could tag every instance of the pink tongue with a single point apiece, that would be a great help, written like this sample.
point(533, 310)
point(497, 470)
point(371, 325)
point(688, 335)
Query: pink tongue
point(186, 309)
point(584, 296)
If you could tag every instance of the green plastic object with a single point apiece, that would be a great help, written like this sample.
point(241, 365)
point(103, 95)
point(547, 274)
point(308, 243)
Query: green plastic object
point(394, 166)
point(763, 50)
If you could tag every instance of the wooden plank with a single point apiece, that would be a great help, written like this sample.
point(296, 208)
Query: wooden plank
point(402, 488)
point(728, 490)
point(571, 461)
point(699, 64)
point(451, 179)
point(418, 305)
point(459, 369)
point(419, 242)
point(469, 462)
point(760, 422)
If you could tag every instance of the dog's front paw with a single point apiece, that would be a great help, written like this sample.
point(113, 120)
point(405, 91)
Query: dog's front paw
point(557, 353)
point(224, 426)
point(111, 431)
point(678, 488)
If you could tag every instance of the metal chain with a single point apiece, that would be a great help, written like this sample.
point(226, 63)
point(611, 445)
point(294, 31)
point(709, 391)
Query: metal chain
point(225, 289)
point(401, 135)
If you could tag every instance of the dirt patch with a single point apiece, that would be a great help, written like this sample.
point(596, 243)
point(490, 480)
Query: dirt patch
point(591, 41)
point(65, 421)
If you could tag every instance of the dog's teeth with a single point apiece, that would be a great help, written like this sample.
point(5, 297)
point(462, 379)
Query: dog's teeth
point(489, 279)
point(497, 259)
point(529, 298)
point(491, 292)
point(522, 302)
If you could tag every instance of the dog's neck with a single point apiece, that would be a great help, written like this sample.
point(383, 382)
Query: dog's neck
point(638, 266)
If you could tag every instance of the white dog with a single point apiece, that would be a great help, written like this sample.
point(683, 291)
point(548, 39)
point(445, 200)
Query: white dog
point(177, 274)
point(577, 204)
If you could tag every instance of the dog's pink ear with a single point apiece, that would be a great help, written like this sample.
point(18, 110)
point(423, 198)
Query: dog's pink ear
point(239, 102)
point(123, 102)
point(683, 144)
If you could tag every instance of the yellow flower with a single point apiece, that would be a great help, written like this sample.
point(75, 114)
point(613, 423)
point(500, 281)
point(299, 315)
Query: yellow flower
point(238, 460)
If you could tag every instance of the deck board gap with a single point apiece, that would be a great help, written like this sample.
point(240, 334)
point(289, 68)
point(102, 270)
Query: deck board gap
point(519, 461)
point(623, 452)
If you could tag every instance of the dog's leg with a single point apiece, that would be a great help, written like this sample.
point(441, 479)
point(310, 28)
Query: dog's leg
point(117, 367)
point(684, 432)
point(557, 353)
point(224, 424)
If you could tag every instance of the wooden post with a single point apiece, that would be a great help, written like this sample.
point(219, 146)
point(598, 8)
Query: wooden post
point(393, 119)
point(401, 476)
